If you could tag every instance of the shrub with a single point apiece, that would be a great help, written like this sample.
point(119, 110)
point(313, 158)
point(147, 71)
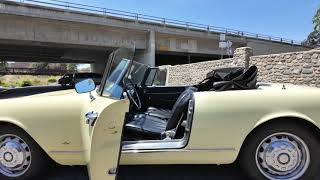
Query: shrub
point(26, 83)
point(36, 81)
point(3, 84)
point(52, 80)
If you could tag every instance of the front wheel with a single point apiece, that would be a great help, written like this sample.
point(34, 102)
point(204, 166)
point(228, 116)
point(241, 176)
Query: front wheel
point(20, 156)
point(281, 151)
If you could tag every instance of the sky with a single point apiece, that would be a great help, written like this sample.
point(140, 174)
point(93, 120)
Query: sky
point(290, 19)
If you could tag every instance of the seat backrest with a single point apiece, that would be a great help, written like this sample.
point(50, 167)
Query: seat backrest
point(179, 107)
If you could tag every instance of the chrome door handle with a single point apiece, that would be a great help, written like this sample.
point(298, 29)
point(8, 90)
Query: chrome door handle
point(91, 118)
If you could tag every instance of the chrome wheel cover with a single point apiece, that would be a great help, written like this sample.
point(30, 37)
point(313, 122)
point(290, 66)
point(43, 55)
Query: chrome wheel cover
point(15, 156)
point(282, 156)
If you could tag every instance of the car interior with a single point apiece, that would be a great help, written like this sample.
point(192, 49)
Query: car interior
point(165, 112)
point(160, 116)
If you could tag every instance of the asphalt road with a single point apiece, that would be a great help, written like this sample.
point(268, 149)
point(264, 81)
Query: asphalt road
point(172, 172)
point(169, 172)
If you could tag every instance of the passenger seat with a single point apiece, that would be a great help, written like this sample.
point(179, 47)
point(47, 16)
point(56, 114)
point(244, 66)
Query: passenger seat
point(155, 126)
point(165, 114)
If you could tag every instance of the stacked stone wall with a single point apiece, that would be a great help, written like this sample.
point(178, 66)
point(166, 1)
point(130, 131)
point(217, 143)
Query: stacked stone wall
point(301, 68)
point(190, 74)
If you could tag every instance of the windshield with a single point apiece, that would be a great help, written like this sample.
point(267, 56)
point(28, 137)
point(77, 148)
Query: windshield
point(137, 73)
point(114, 59)
point(112, 85)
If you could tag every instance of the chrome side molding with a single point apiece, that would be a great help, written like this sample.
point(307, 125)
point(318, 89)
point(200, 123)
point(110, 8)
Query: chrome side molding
point(91, 118)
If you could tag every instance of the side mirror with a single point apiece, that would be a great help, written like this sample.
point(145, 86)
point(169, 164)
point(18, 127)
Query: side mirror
point(85, 86)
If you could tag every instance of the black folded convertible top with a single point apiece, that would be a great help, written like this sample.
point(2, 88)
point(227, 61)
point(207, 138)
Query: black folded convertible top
point(235, 78)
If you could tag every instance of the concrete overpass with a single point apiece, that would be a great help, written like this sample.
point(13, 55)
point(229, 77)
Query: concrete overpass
point(57, 31)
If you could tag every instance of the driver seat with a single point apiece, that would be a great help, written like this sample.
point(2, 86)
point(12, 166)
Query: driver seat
point(153, 126)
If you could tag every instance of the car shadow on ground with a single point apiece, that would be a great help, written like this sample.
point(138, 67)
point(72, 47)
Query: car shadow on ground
point(172, 172)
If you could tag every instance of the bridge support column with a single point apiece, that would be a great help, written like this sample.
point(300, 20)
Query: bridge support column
point(148, 56)
point(98, 66)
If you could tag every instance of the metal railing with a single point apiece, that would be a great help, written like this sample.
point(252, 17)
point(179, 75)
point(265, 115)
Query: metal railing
point(154, 19)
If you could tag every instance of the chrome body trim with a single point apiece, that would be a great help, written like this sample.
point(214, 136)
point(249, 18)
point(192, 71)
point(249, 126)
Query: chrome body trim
point(178, 150)
point(91, 118)
point(154, 144)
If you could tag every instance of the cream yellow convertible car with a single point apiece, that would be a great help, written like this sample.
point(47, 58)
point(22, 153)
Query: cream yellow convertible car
point(272, 130)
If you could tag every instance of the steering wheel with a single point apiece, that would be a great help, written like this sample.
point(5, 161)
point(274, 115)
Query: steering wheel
point(133, 95)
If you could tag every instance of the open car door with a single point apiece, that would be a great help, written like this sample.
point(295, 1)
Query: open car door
point(106, 141)
point(104, 147)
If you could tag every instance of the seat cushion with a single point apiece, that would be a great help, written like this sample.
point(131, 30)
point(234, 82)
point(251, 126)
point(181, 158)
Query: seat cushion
point(164, 114)
point(146, 124)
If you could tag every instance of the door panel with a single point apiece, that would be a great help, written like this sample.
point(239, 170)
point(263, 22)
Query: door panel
point(106, 140)
point(160, 96)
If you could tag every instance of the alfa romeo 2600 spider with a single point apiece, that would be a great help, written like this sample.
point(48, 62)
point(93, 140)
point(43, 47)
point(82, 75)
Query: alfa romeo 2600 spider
point(271, 130)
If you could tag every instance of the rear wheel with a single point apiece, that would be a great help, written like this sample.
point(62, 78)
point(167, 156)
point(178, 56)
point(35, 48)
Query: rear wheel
point(281, 151)
point(20, 156)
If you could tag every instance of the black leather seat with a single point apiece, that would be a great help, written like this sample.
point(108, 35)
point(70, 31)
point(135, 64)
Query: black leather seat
point(145, 124)
point(164, 114)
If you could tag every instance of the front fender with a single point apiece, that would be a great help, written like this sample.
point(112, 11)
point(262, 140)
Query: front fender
point(44, 117)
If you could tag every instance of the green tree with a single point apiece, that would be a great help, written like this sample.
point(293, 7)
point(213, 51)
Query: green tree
point(72, 66)
point(63, 66)
point(316, 20)
point(3, 64)
point(40, 65)
point(313, 39)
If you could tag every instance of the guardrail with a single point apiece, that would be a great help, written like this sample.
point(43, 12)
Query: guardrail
point(33, 71)
point(154, 19)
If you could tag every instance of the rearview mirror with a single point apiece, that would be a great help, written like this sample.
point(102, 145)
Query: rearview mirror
point(85, 86)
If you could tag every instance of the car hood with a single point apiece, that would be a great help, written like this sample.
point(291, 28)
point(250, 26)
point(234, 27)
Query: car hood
point(56, 93)
point(35, 90)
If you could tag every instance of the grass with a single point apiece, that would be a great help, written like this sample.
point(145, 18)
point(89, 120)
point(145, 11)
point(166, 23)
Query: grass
point(20, 80)
point(52, 80)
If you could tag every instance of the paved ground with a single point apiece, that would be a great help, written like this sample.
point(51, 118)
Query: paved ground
point(176, 172)
point(172, 172)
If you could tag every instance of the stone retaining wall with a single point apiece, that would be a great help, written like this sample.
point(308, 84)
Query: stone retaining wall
point(190, 74)
point(301, 68)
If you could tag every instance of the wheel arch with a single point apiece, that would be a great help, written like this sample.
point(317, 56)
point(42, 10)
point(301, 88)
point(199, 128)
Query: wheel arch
point(14, 123)
point(20, 126)
point(300, 119)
